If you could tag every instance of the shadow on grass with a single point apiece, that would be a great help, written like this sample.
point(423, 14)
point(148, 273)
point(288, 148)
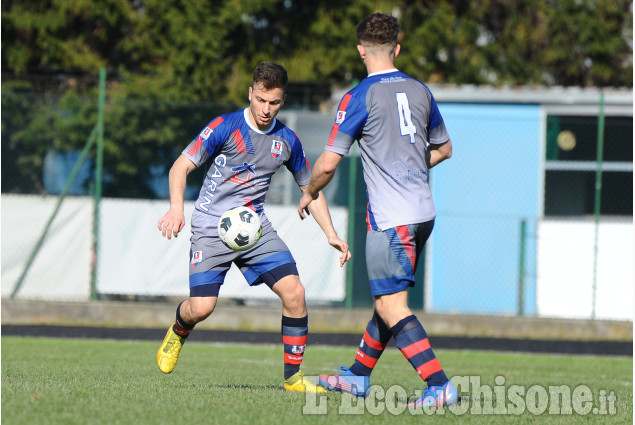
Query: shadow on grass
point(247, 387)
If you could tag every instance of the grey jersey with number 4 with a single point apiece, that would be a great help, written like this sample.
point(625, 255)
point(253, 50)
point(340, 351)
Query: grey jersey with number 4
point(393, 117)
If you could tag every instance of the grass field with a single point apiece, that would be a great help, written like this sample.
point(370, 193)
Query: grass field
point(71, 381)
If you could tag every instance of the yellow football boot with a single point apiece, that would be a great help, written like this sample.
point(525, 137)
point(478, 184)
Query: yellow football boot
point(299, 383)
point(168, 353)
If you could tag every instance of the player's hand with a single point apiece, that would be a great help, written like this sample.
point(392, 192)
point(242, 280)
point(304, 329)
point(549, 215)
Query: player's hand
point(303, 207)
point(341, 246)
point(171, 224)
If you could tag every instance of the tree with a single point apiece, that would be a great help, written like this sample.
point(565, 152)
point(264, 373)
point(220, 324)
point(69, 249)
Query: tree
point(589, 43)
point(520, 42)
point(205, 50)
point(162, 53)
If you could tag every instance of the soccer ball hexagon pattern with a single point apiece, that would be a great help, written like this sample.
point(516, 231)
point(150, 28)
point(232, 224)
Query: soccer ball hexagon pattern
point(239, 228)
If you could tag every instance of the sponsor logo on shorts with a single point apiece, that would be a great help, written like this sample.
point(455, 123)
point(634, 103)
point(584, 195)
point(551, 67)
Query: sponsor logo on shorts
point(197, 256)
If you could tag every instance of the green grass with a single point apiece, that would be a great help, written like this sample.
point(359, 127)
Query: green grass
point(70, 381)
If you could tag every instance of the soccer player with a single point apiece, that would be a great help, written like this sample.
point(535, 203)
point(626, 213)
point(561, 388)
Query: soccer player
point(401, 135)
point(240, 152)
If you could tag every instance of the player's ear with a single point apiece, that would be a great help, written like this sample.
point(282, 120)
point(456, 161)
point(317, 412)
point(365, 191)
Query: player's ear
point(250, 92)
point(362, 51)
point(397, 49)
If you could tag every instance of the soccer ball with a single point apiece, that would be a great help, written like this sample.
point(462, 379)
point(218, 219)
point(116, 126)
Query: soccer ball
point(239, 228)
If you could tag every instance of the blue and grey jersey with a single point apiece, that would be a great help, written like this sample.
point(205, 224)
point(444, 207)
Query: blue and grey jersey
point(393, 117)
point(239, 161)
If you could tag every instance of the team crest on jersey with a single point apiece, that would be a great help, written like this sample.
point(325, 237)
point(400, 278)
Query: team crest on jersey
point(340, 116)
point(276, 148)
point(206, 132)
point(197, 256)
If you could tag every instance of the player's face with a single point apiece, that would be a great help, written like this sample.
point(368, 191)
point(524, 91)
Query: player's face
point(264, 105)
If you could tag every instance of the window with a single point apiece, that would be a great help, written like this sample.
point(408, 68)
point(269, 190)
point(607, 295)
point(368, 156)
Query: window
point(570, 174)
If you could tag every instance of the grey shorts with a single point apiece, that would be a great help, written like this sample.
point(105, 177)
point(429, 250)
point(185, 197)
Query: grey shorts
point(267, 262)
point(392, 256)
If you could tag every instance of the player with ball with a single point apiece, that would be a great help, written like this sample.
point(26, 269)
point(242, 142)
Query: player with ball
point(240, 152)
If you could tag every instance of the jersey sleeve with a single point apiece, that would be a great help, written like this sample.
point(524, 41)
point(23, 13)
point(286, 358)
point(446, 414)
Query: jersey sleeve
point(297, 163)
point(349, 121)
point(211, 138)
point(437, 133)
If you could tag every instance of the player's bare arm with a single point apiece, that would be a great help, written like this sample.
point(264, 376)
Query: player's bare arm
point(438, 153)
point(322, 173)
point(320, 211)
point(174, 220)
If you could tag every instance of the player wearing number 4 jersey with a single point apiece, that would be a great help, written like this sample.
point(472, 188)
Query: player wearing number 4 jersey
point(401, 135)
point(240, 152)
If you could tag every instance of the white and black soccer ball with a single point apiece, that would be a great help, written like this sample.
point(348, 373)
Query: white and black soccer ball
point(239, 228)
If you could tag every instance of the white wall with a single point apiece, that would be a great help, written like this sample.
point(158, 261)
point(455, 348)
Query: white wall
point(565, 269)
point(135, 259)
point(61, 270)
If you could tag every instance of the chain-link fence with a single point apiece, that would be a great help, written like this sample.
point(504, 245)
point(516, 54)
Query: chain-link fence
point(515, 230)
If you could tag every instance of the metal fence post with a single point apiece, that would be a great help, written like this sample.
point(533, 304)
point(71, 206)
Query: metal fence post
point(598, 199)
point(98, 178)
point(67, 186)
point(521, 268)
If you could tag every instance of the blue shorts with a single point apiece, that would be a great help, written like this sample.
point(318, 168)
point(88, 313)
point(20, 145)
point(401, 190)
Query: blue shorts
point(392, 256)
point(267, 262)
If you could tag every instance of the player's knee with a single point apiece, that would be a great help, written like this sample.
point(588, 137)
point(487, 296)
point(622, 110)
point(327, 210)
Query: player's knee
point(200, 311)
point(391, 313)
point(382, 310)
point(299, 294)
point(294, 297)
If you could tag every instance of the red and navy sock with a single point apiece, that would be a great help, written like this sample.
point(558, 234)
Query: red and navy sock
point(412, 340)
point(372, 345)
point(181, 327)
point(294, 335)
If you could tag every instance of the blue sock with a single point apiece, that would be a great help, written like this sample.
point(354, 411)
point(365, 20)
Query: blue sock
point(294, 336)
point(413, 342)
point(371, 347)
point(181, 327)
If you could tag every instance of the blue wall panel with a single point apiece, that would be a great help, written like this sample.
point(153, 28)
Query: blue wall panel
point(481, 195)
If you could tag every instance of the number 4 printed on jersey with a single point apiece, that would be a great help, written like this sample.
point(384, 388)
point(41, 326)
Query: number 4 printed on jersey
point(405, 117)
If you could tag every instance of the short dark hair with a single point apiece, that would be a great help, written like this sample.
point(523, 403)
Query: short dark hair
point(271, 76)
point(378, 29)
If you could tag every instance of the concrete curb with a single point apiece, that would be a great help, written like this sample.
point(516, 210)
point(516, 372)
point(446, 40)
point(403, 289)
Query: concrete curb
point(131, 314)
